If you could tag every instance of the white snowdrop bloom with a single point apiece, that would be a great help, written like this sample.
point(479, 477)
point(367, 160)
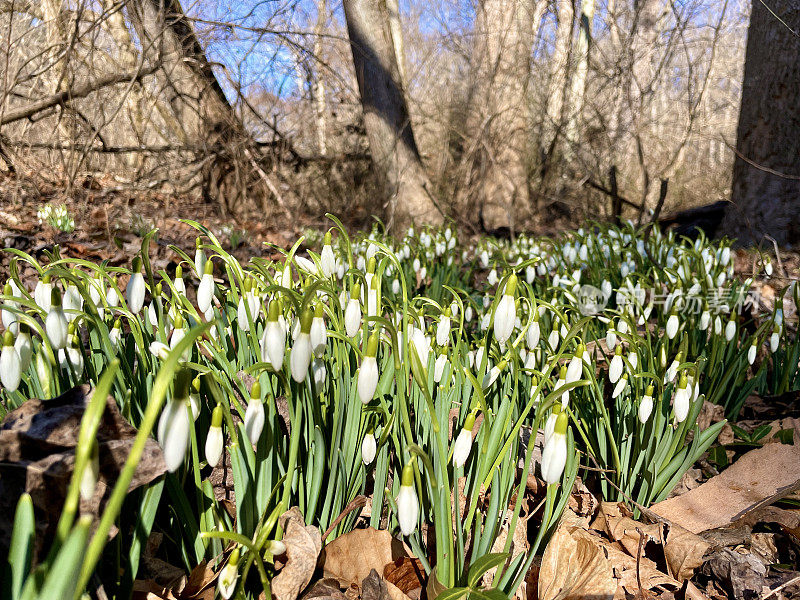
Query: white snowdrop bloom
point(300, 358)
point(751, 352)
point(730, 329)
point(606, 289)
point(774, 339)
point(254, 415)
point(9, 317)
point(273, 340)
point(717, 325)
point(615, 368)
point(136, 288)
point(468, 313)
point(725, 256)
point(438, 367)
point(178, 283)
point(463, 443)
point(530, 360)
point(530, 274)
point(420, 343)
point(560, 382)
point(56, 323)
point(214, 439)
point(407, 502)
point(575, 367)
point(532, 335)
point(672, 326)
point(318, 371)
point(306, 265)
point(454, 308)
point(24, 347)
point(443, 329)
point(72, 303)
point(327, 258)
point(159, 350)
point(681, 400)
point(319, 333)
point(205, 291)
point(484, 259)
point(396, 287)
point(368, 371)
point(705, 320)
point(42, 293)
point(768, 268)
point(506, 312)
point(492, 374)
point(721, 279)
point(611, 339)
point(621, 385)
point(369, 448)
point(646, 405)
point(352, 314)
point(622, 326)
point(229, 576)
point(554, 453)
point(10, 366)
point(552, 340)
point(173, 426)
point(492, 278)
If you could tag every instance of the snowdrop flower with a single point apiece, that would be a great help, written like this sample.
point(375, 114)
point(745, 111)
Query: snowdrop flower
point(705, 319)
point(229, 576)
point(136, 289)
point(368, 372)
point(407, 502)
point(463, 443)
point(725, 256)
point(372, 297)
point(730, 328)
point(681, 401)
point(178, 333)
point(254, 415)
point(506, 312)
point(395, 287)
point(300, 358)
point(554, 453)
point(575, 368)
point(717, 325)
point(621, 385)
point(318, 371)
point(319, 333)
point(56, 323)
point(214, 439)
point(327, 259)
point(751, 352)
point(24, 347)
point(205, 291)
point(178, 283)
point(438, 367)
point(492, 278)
point(42, 293)
point(159, 349)
point(533, 333)
point(443, 328)
point(112, 295)
point(672, 326)
point(72, 303)
point(352, 314)
point(420, 343)
point(615, 368)
point(369, 448)
point(273, 341)
point(552, 340)
point(646, 405)
point(774, 338)
point(768, 267)
point(173, 426)
point(9, 318)
point(10, 368)
point(71, 356)
point(492, 375)
point(611, 339)
point(90, 473)
point(562, 380)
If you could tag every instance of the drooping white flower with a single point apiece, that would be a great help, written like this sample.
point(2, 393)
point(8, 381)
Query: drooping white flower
point(71, 356)
point(533, 334)
point(672, 326)
point(730, 328)
point(352, 314)
point(159, 349)
point(554, 453)
point(173, 426)
point(10, 368)
point(112, 295)
point(229, 576)
point(205, 291)
point(646, 405)
point(463, 443)
point(681, 400)
point(611, 339)
point(615, 368)
point(774, 339)
point(72, 303)
point(438, 367)
point(705, 319)
point(214, 439)
point(56, 323)
point(179, 283)
point(319, 333)
point(318, 371)
point(254, 415)
point(751, 352)
point(136, 289)
point(327, 259)
point(300, 358)
point(368, 371)
point(9, 317)
point(505, 313)
point(443, 328)
point(407, 502)
point(24, 346)
point(369, 448)
point(42, 293)
point(273, 340)
point(575, 368)
point(621, 385)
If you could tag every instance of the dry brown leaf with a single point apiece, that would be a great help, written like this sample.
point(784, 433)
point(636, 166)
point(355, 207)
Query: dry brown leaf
point(757, 479)
point(303, 544)
point(374, 587)
point(615, 520)
point(37, 455)
point(350, 557)
point(684, 552)
point(406, 573)
point(573, 567)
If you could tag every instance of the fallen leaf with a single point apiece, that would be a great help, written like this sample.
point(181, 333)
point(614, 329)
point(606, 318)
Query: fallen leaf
point(742, 574)
point(37, 455)
point(573, 567)
point(303, 544)
point(684, 552)
point(325, 588)
point(406, 573)
point(350, 557)
point(374, 587)
point(757, 479)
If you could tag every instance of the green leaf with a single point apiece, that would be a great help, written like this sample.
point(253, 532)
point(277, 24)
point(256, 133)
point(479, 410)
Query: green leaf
point(482, 565)
point(62, 577)
point(760, 432)
point(453, 593)
point(20, 550)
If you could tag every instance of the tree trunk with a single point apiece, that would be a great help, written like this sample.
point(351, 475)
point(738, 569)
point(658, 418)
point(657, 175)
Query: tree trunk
point(318, 87)
point(582, 49)
point(386, 118)
point(765, 194)
point(558, 96)
point(500, 107)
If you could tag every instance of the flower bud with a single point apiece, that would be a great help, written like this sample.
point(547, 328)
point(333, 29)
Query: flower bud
point(254, 416)
point(368, 372)
point(681, 401)
point(369, 447)
point(505, 314)
point(463, 443)
point(205, 291)
point(10, 367)
point(319, 333)
point(672, 325)
point(407, 502)
point(554, 453)
point(300, 358)
point(646, 405)
point(214, 439)
point(352, 314)
point(615, 368)
point(229, 576)
point(173, 426)
point(136, 288)
point(751, 352)
point(56, 323)
point(730, 328)
point(90, 473)
point(273, 341)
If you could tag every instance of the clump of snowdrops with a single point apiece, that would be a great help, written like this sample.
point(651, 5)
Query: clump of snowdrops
point(430, 375)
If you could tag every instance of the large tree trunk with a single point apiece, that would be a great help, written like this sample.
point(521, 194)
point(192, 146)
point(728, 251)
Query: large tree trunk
point(765, 194)
point(500, 107)
point(202, 113)
point(582, 48)
point(386, 117)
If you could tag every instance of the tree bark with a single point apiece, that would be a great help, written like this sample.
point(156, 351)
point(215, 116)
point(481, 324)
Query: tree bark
point(582, 50)
point(501, 109)
point(386, 117)
point(765, 195)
